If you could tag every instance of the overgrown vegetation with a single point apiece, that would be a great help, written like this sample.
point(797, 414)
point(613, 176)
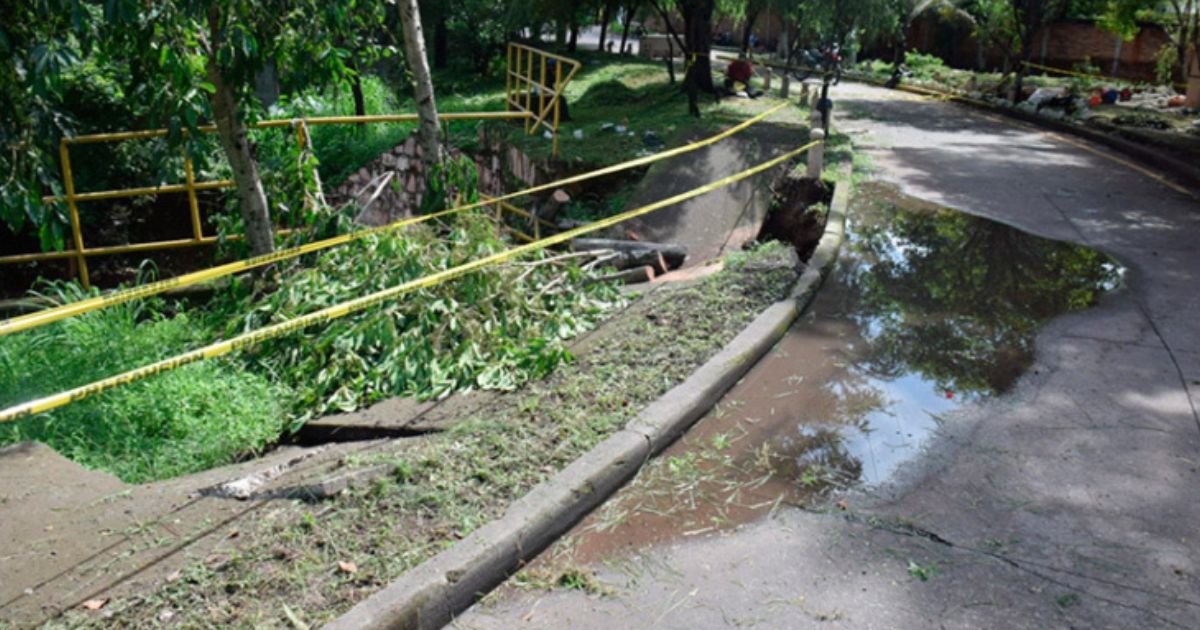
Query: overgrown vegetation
point(493, 329)
point(196, 417)
point(446, 485)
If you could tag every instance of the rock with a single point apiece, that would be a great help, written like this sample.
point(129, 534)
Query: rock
point(652, 140)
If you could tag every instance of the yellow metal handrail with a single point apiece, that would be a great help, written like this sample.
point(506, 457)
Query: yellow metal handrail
point(536, 222)
point(255, 337)
point(520, 81)
point(80, 253)
point(121, 296)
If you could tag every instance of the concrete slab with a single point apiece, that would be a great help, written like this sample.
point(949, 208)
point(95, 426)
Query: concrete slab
point(725, 219)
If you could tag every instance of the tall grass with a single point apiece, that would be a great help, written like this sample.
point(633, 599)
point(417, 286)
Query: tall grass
point(493, 329)
point(183, 421)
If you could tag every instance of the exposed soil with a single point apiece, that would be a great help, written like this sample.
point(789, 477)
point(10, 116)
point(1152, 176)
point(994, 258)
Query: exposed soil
point(797, 214)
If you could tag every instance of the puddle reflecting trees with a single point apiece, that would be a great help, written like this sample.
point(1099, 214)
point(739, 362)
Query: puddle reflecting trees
point(926, 309)
point(943, 307)
point(958, 298)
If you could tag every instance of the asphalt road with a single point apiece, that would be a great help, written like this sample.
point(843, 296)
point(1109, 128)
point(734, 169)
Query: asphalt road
point(1072, 500)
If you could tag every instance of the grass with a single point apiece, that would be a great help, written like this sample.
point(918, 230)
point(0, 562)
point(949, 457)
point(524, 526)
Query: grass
point(492, 329)
point(445, 485)
point(196, 417)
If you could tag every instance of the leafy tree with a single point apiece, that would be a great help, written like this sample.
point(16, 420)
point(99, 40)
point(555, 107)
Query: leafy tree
point(185, 62)
point(696, 44)
point(1028, 17)
point(194, 57)
point(1180, 19)
point(40, 41)
point(904, 12)
point(745, 12)
point(631, 10)
point(995, 25)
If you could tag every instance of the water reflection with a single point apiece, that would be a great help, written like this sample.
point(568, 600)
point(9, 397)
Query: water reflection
point(945, 308)
point(926, 309)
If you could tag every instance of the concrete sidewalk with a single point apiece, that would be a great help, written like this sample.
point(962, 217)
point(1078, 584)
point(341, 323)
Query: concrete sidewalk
point(1071, 501)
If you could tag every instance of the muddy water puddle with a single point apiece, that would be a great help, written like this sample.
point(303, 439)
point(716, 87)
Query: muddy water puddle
point(927, 310)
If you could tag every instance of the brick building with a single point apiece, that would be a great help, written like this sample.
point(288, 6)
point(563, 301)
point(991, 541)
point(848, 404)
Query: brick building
point(1060, 45)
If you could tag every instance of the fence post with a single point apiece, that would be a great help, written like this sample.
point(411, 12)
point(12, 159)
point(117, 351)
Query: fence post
point(73, 210)
point(767, 80)
point(557, 104)
point(816, 154)
point(508, 68)
point(193, 202)
point(785, 85)
point(529, 89)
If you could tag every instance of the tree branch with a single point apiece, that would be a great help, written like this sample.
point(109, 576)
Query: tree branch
point(670, 30)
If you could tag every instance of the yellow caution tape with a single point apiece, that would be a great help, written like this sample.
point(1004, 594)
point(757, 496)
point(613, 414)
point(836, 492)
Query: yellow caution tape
point(1030, 64)
point(336, 311)
point(43, 317)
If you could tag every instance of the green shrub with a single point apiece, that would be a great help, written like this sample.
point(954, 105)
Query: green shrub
point(191, 419)
point(492, 329)
point(923, 66)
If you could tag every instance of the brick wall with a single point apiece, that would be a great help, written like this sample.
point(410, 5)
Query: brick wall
point(1061, 45)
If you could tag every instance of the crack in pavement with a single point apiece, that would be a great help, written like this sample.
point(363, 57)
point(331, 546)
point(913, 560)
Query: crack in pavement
point(1174, 361)
point(911, 530)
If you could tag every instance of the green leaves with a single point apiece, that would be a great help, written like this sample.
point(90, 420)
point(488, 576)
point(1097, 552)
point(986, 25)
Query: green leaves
point(493, 329)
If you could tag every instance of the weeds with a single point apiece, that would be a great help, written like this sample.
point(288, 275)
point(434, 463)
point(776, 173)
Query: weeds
point(193, 418)
point(922, 573)
point(457, 480)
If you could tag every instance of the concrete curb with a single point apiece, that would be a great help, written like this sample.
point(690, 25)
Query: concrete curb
point(1186, 173)
point(431, 594)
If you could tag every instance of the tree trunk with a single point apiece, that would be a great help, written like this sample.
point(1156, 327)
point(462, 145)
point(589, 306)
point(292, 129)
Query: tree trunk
point(256, 215)
point(605, 17)
point(697, 16)
point(414, 52)
point(1026, 56)
point(356, 89)
point(627, 24)
point(671, 61)
point(441, 43)
point(560, 33)
point(574, 36)
point(747, 29)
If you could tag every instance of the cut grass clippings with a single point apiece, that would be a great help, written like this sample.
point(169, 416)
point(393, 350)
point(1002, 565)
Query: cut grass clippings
point(444, 486)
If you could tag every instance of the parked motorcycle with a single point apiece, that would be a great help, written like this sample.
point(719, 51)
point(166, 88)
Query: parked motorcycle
point(819, 61)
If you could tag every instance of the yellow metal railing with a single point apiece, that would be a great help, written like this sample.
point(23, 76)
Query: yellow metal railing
point(79, 253)
point(121, 296)
point(330, 313)
point(526, 88)
point(535, 223)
